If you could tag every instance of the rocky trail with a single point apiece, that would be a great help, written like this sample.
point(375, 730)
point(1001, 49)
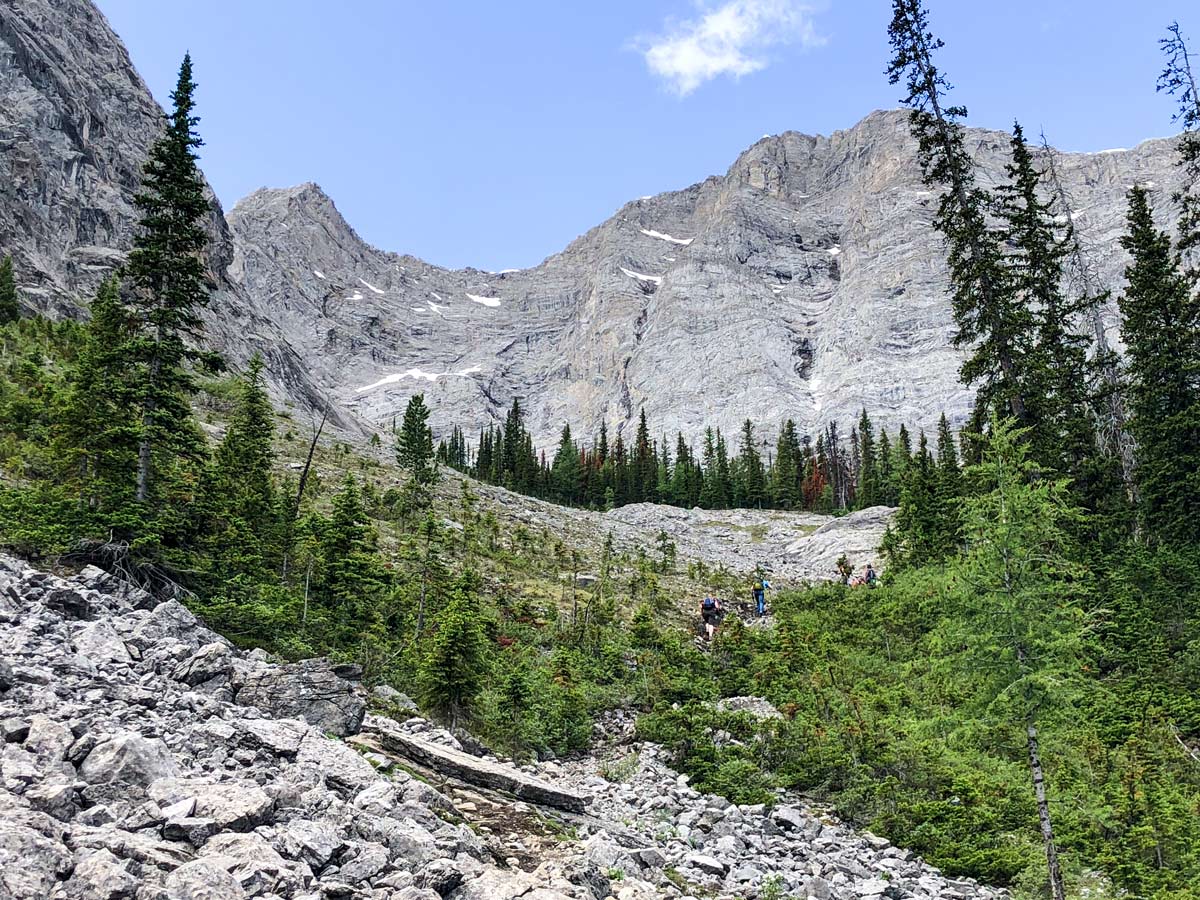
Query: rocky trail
point(144, 757)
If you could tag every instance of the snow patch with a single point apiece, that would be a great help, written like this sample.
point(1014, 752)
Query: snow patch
point(493, 302)
point(319, 274)
point(1114, 150)
point(683, 242)
point(657, 279)
point(372, 288)
point(418, 309)
point(509, 271)
point(834, 251)
point(419, 375)
point(357, 295)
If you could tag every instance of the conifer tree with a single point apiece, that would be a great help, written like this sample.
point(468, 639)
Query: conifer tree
point(452, 672)
point(566, 475)
point(1058, 375)
point(240, 493)
point(99, 435)
point(868, 463)
point(166, 278)
point(947, 492)
point(1161, 329)
point(645, 464)
point(1018, 631)
point(1179, 79)
point(917, 537)
point(751, 478)
point(889, 491)
point(992, 324)
point(414, 443)
point(10, 309)
point(785, 475)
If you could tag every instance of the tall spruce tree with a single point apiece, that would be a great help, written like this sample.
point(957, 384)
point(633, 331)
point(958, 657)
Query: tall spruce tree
point(10, 309)
point(1179, 79)
point(165, 273)
point(240, 494)
point(1059, 376)
point(992, 324)
point(750, 481)
point(1160, 326)
point(414, 443)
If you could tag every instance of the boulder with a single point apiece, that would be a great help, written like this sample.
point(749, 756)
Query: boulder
point(170, 621)
point(758, 707)
point(100, 643)
point(281, 738)
point(482, 772)
point(212, 663)
point(313, 690)
point(255, 865)
point(99, 875)
point(130, 760)
point(7, 679)
point(705, 863)
point(30, 864)
point(343, 769)
point(363, 861)
point(203, 879)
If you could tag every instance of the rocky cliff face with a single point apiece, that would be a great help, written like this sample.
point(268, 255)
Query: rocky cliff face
point(805, 282)
point(76, 121)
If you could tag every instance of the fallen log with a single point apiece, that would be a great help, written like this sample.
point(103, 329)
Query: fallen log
point(480, 772)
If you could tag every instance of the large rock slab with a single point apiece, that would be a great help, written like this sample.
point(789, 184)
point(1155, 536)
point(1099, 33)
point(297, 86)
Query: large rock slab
point(313, 690)
point(473, 770)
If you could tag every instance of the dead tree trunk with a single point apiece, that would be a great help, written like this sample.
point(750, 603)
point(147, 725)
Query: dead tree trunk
point(1111, 418)
point(1043, 807)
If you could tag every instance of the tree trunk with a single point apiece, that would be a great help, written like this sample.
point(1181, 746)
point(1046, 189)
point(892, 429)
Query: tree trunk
point(1043, 807)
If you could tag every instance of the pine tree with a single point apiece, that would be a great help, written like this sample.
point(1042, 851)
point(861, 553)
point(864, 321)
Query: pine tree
point(645, 464)
point(868, 464)
point(1018, 629)
point(1058, 374)
point(785, 474)
point(1179, 80)
point(352, 570)
point(947, 492)
point(889, 490)
point(414, 443)
point(750, 480)
point(1161, 329)
point(993, 325)
point(99, 435)
point(917, 536)
point(566, 475)
point(10, 309)
point(455, 664)
point(165, 273)
point(240, 493)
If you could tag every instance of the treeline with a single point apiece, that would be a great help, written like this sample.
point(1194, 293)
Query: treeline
point(831, 473)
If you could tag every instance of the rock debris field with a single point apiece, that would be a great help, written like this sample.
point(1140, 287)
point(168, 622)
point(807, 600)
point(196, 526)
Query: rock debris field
point(144, 757)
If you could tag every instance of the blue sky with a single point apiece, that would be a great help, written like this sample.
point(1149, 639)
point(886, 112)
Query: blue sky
point(492, 134)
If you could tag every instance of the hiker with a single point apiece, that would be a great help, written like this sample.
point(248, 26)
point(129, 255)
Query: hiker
point(710, 614)
point(759, 591)
point(844, 570)
point(870, 577)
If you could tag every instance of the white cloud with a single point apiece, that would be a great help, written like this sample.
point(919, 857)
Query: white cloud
point(731, 39)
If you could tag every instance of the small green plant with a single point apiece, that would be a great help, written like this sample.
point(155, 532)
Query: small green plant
point(619, 771)
point(616, 875)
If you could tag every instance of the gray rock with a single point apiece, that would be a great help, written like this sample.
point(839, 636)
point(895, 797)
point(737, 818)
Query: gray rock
point(7, 679)
point(255, 865)
point(706, 863)
point(441, 876)
point(98, 875)
point(203, 879)
point(130, 760)
point(99, 642)
point(211, 663)
point(343, 769)
point(755, 706)
point(30, 864)
point(363, 861)
point(312, 690)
